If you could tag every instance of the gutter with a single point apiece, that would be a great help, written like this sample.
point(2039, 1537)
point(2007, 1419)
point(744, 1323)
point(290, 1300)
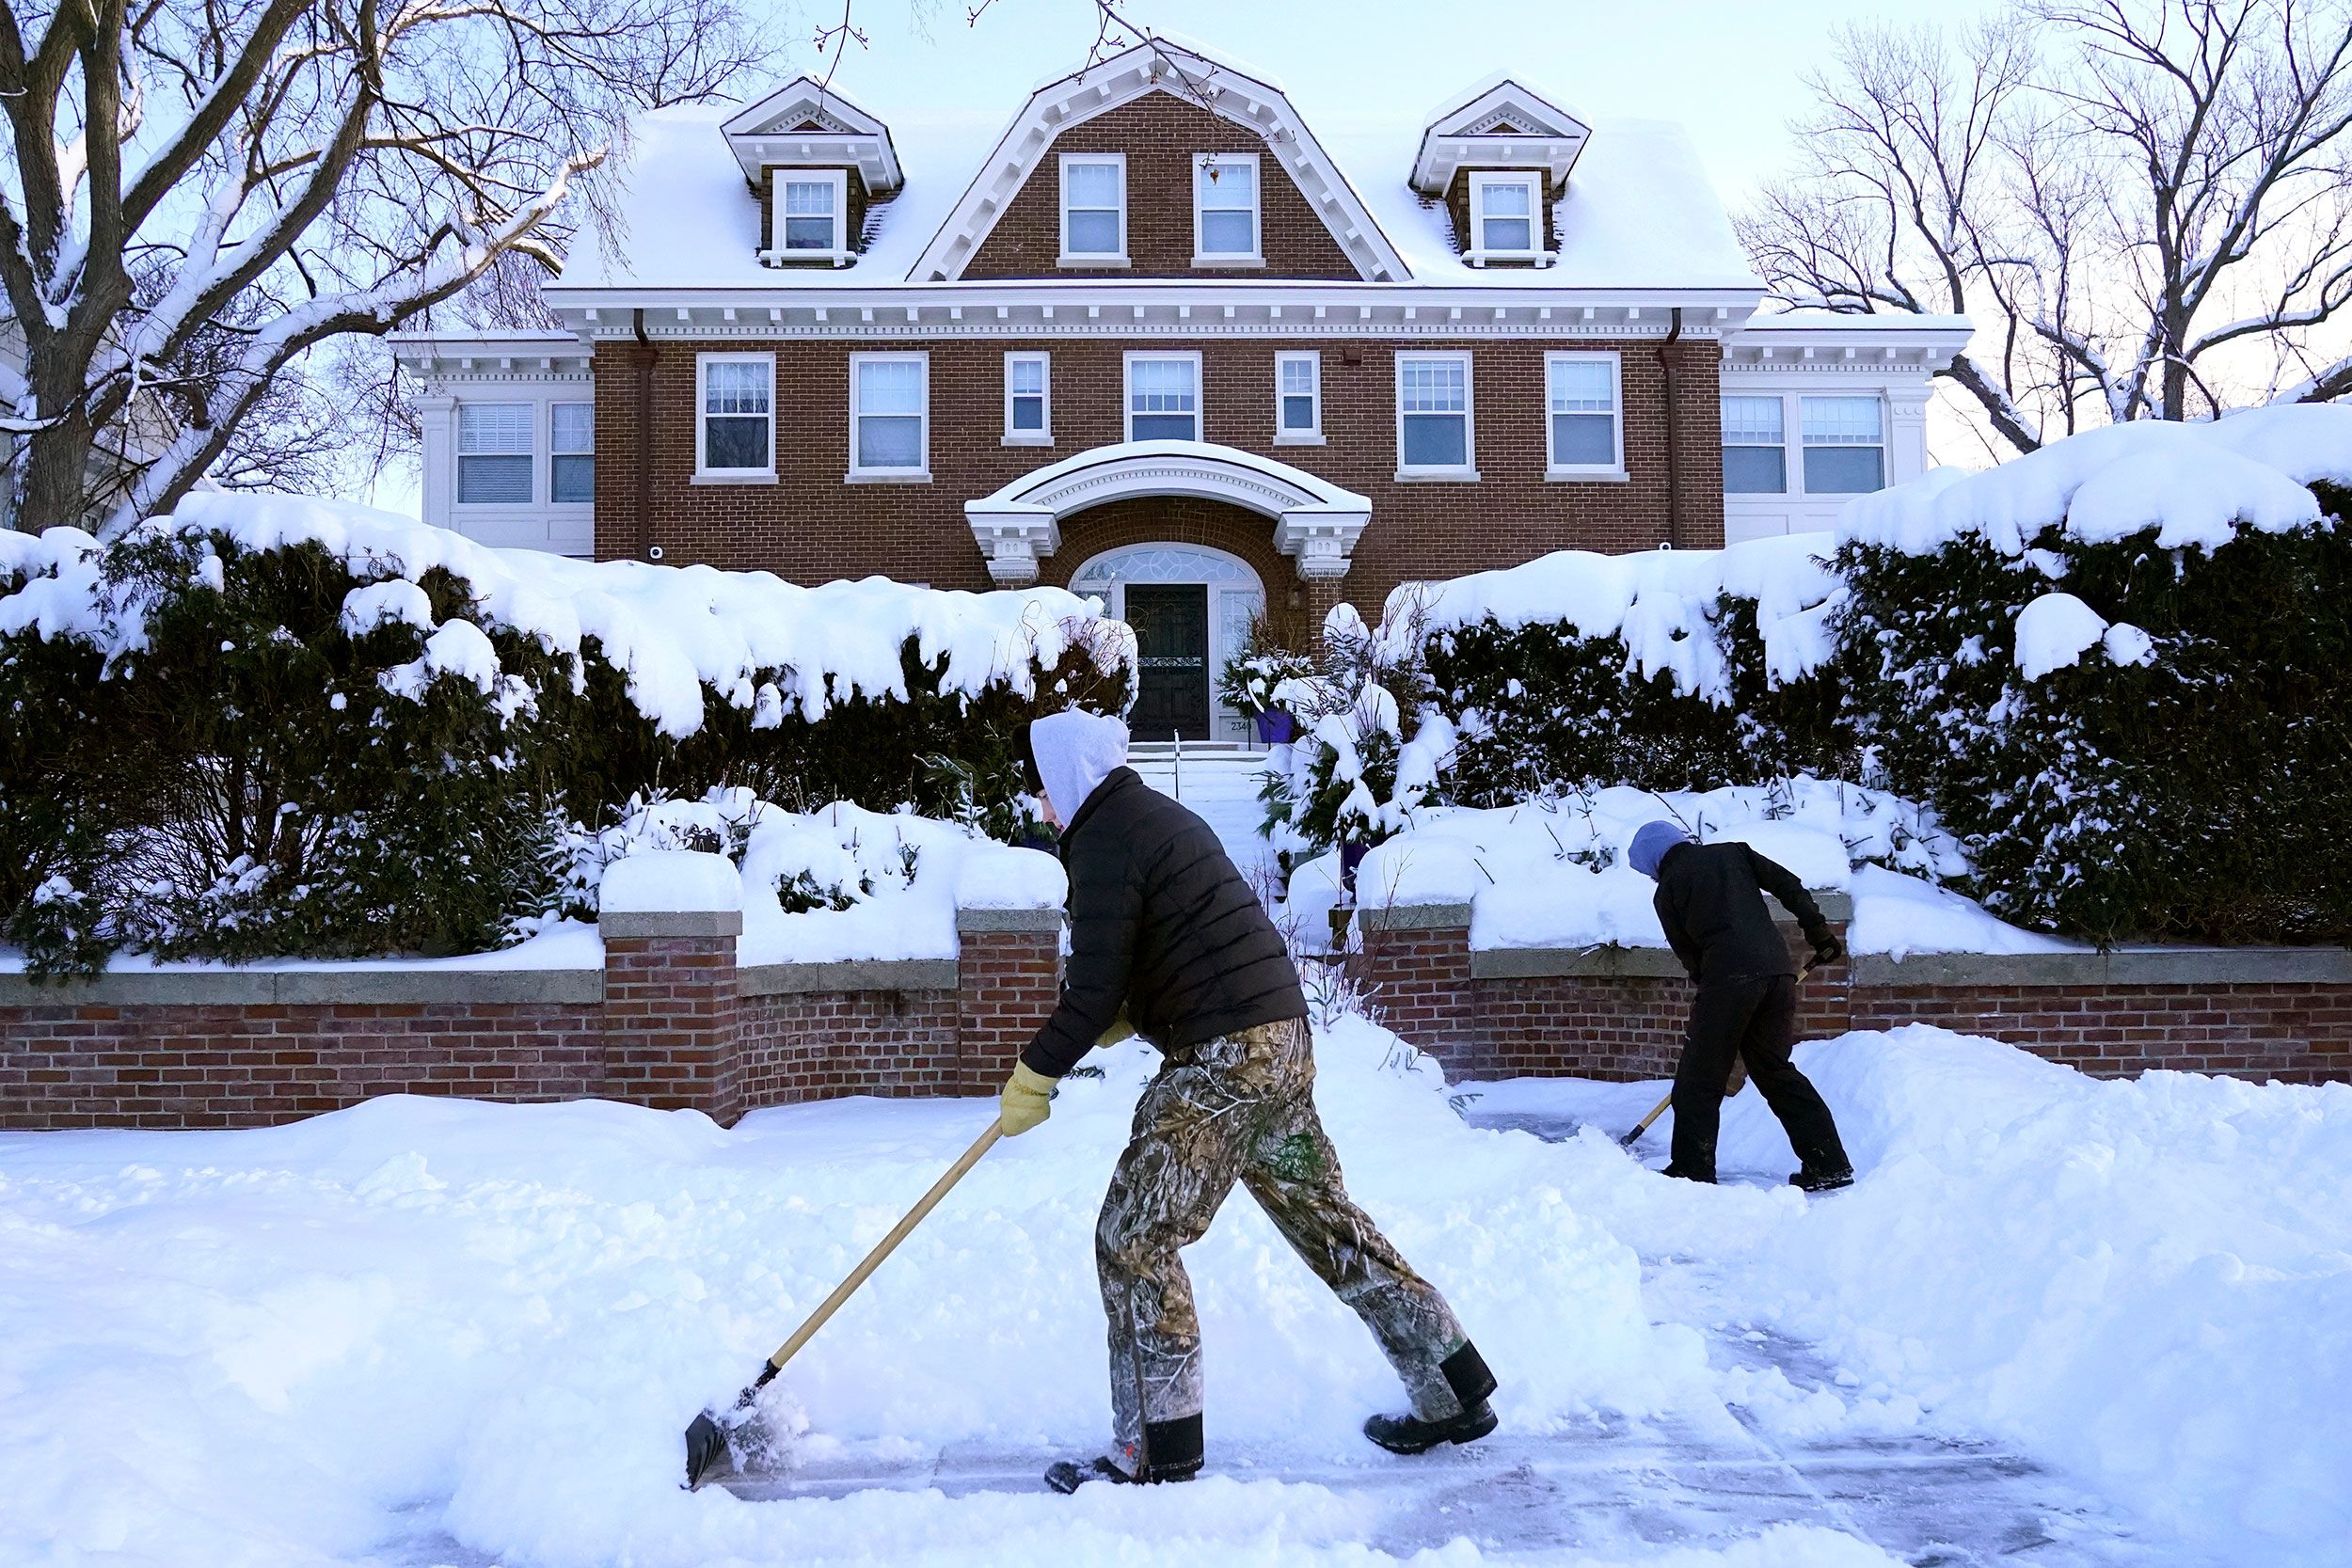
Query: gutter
point(1674, 455)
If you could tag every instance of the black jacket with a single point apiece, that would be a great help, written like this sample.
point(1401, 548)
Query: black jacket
point(1162, 925)
point(1711, 900)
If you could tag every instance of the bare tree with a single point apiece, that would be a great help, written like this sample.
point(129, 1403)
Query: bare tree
point(204, 190)
point(2145, 204)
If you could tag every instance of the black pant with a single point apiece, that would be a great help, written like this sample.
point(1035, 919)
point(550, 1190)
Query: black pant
point(1755, 1018)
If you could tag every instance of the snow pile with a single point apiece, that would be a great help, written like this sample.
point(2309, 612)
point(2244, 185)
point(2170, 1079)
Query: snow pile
point(1663, 603)
point(2196, 485)
point(843, 882)
point(1551, 873)
point(756, 641)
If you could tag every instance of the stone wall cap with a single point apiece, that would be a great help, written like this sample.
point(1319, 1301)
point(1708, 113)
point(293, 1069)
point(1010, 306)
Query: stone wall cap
point(2143, 966)
point(640, 923)
point(233, 988)
point(1413, 917)
point(1597, 962)
point(851, 974)
point(1008, 920)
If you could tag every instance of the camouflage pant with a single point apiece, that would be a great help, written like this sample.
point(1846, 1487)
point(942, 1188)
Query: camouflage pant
point(1243, 1107)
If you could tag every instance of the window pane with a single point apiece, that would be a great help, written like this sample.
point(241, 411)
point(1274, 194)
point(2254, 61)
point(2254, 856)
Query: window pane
point(1028, 375)
point(1756, 470)
point(1585, 440)
point(1844, 470)
point(890, 386)
point(732, 441)
point(1435, 441)
point(494, 427)
point(494, 481)
point(1298, 376)
point(808, 197)
point(1230, 182)
point(1164, 427)
point(1583, 387)
point(1752, 421)
point(1161, 385)
point(1094, 233)
point(1028, 412)
point(1841, 423)
point(572, 479)
point(894, 442)
point(1505, 198)
point(735, 387)
point(1229, 233)
point(575, 426)
point(1434, 385)
point(1508, 234)
point(1092, 185)
point(1298, 413)
point(808, 234)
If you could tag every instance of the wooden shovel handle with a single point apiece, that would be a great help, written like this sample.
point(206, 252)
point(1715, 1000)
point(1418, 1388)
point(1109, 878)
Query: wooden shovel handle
point(888, 1245)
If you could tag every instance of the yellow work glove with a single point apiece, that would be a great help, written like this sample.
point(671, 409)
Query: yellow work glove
point(1119, 1030)
point(1027, 1101)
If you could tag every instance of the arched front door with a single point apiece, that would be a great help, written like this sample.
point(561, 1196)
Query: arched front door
point(1191, 607)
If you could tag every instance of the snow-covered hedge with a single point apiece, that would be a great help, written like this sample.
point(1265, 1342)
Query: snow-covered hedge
point(277, 725)
point(2116, 668)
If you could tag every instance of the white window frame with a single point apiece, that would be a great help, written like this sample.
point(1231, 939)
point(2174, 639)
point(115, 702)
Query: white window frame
point(1312, 437)
point(838, 253)
point(458, 453)
point(858, 474)
point(1467, 469)
point(1127, 388)
point(1202, 255)
point(1801, 443)
point(1043, 436)
point(1615, 467)
point(703, 362)
point(1791, 474)
point(1114, 160)
point(554, 403)
point(1478, 255)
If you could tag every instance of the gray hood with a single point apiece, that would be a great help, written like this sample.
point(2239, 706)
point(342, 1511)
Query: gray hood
point(1075, 752)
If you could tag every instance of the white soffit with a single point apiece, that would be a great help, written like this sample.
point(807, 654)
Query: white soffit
point(1497, 123)
point(773, 132)
point(1158, 66)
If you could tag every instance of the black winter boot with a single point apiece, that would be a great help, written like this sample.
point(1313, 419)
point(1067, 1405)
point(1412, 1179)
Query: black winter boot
point(1823, 1180)
point(1466, 1373)
point(1172, 1451)
point(1706, 1176)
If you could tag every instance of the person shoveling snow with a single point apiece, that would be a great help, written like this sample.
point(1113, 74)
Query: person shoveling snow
point(1166, 936)
point(1711, 900)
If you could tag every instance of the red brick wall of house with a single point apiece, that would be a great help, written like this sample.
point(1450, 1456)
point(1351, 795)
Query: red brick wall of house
point(1159, 134)
point(811, 527)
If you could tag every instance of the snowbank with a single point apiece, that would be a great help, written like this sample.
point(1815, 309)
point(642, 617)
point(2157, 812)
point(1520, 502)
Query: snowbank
point(759, 643)
point(2196, 485)
point(1552, 874)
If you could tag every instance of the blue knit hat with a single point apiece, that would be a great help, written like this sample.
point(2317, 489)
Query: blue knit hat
point(1650, 843)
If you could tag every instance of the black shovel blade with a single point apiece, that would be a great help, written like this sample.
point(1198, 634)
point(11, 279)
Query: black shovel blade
point(705, 1446)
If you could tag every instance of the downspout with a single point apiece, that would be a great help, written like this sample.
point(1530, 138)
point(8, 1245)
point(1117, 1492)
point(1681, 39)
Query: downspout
point(1674, 454)
point(641, 365)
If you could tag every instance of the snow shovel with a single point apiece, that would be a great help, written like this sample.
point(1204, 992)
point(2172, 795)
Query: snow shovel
point(1737, 1081)
point(714, 1436)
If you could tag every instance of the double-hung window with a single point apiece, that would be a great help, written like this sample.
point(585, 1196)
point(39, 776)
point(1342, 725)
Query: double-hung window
point(890, 416)
point(1225, 210)
point(1028, 401)
point(812, 211)
point(735, 417)
point(1433, 416)
point(1162, 397)
point(1755, 446)
point(1584, 433)
point(1298, 398)
point(1845, 445)
point(494, 453)
point(571, 452)
point(1094, 209)
point(1506, 216)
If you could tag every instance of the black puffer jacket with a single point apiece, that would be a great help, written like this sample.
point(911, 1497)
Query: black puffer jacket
point(1711, 900)
point(1162, 925)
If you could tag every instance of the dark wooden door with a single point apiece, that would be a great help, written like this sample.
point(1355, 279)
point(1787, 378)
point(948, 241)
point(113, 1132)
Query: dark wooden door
point(1172, 624)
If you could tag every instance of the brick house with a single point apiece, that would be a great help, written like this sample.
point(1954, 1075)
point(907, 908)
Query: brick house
point(1157, 339)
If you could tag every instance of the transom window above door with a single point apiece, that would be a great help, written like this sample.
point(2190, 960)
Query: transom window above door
point(1094, 209)
point(1225, 210)
point(1164, 397)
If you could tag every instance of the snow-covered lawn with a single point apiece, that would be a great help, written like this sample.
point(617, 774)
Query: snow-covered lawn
point(2057, 1322)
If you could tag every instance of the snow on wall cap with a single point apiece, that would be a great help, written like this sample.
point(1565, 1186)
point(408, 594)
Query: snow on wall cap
point(2195, 485)
point(1498, 121)
point(671, 881)
point(999, 877)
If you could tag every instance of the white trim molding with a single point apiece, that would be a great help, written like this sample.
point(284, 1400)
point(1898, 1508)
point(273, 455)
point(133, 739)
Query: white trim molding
point(1497, 123)
point(772, 131)
point(1316, 522)
point(1158, 65)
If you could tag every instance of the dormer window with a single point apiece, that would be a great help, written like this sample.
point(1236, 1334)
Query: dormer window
point(1225, 210)
point(1094, 210)
point(1506, 217)
point(811, 215)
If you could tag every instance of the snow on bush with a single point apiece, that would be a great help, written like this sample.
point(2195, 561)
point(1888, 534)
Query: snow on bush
point(279, 725)
point(2115, 667)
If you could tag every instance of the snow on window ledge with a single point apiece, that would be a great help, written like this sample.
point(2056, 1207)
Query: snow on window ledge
point(1118, 260)
point(887, 476)
point(732, 475)
point(1437, 476)
point(1588, 475)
